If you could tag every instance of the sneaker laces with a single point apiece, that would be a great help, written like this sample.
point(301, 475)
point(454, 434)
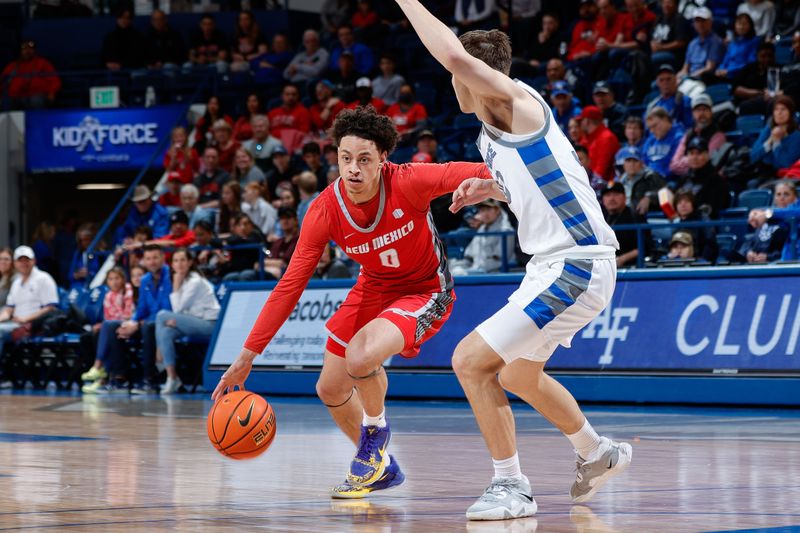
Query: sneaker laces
point(498, 489)
point(367, 445)
point(581, 467)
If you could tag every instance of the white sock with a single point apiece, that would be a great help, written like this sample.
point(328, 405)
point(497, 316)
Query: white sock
point(379, 420)
point(586, 441)
point(507, 467)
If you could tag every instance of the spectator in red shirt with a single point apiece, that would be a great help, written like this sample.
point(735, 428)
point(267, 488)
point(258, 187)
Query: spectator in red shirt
point(364, 16)
point(584, 34)
point(242, 130)
point(600, 141)
point(30, 82)
point(225, 144)
point(364, 96)
point(182, 158)
point(326, 108)
point(172, 196)
point(291, 114)
point(179, 235)
point(407, 114)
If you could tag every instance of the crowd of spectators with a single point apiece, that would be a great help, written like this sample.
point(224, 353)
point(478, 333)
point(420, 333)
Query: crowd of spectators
point(238, 180)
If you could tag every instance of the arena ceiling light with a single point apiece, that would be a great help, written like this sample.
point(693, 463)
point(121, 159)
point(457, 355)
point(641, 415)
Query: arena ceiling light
point(100, 186)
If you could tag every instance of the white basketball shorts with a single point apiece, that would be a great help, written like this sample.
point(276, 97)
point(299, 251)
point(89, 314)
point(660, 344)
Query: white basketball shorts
point(555, 300)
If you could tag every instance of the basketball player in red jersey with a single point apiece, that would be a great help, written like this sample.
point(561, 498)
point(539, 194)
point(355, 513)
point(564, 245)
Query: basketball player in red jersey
point(379, 214)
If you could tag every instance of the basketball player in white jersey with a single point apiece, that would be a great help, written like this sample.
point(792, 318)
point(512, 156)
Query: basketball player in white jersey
point(569, 281)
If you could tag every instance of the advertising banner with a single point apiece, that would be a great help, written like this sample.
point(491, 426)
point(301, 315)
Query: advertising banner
point(723, 325)
point(95, 139)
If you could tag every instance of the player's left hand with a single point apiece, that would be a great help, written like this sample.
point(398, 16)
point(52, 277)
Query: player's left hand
point(235, 375)
point(470, 192)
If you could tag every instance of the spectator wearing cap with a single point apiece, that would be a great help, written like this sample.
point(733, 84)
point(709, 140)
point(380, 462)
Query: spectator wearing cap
point(617, 212)
point(703, 181)
point(484, 254)
point(262, 144)
point(681, 248)
point(387, 85)
point(291, 115)
point(778, 145)
point(741, 49)
point(677, 104)
point(282, 248)
point(283, 170)
point(312, 158)
point(564, 105)
point(427, 144)
point(600, 141)
point(750, 83)
point(225, 144)
point(705, 237)
point(145, 213)
point(670, 35)
point(614, 113)
point(362, 55)
point(33, 294)
point(324, 110)
point(596, 182)
point(641, 183)
point(190, 200)
point(662, 143)
point(762, 13)
point(309, 64)
point(172, 196)
point(179, 233)
point(407, 114)
point(585, 32)
point(364, 96)
point(704, 126)
point(211, 179)
point(705, 51)
point(30, 82)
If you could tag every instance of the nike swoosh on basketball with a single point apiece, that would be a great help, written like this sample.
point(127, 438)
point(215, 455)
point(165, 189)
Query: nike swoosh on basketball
point(246, 420)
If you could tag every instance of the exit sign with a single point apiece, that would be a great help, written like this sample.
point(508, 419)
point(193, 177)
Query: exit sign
point(103, 97)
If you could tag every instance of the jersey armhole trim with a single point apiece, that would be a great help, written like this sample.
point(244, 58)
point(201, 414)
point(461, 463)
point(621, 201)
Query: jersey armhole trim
point(500, 137)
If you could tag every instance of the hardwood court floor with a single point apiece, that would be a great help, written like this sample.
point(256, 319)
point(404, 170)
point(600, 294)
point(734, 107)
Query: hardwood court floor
point(144, 464)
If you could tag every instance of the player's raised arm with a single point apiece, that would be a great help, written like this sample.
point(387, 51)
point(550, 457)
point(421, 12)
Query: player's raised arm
point(314, 236)
point(448, 50)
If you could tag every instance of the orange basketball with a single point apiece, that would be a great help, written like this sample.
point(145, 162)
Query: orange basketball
point(241, 425)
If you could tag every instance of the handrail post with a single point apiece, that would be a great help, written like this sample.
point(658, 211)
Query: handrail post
point(640, 246)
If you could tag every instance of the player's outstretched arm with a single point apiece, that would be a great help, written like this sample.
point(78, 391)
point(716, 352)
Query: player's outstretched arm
point(314, 236)
point(448, 50)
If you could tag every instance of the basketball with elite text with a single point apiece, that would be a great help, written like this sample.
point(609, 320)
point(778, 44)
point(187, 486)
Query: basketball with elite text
point(241, 425)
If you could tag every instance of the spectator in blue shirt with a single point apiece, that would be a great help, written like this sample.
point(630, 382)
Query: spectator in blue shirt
point(363, 55)
point(677, 104)
point(564, 105)
point(145, 213)
point(705, 51)
point(779, 143)
point(787, 206)
point(153, 297)
point(741, 50)
point(662, 142)
point(83, 267)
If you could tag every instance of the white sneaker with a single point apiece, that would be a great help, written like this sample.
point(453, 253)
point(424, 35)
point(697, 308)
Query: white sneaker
point(592, 474)
point(6, 384)
point(504, 499)
point(171, 386)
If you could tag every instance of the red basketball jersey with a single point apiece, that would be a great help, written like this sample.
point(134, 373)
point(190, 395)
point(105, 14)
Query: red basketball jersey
point(392, 237)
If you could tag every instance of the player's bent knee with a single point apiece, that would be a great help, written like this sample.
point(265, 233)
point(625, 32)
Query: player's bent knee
point(333, 394)
point(359, 362)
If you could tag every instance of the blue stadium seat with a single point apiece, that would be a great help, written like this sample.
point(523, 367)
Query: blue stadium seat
point(726, 242)
point(783, 52)
point(750, 125)
point(720, 93)
point(738, 218)
point(402, 155)
point(755, 198)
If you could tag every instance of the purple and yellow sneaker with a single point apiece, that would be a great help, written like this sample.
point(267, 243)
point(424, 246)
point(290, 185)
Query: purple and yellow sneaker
point(370, 460)
point(392, 476)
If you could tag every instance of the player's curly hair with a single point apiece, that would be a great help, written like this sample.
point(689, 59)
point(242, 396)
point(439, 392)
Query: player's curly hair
point(365, 123)
point(493, 47)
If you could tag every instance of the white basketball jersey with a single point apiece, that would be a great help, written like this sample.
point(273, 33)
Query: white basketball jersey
point(548, 191)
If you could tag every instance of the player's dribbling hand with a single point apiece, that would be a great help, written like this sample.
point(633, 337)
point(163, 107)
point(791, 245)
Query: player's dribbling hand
point(470, 192)
point(235, 375)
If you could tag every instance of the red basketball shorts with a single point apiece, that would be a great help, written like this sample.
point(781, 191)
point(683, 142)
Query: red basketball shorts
point(418, 316)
